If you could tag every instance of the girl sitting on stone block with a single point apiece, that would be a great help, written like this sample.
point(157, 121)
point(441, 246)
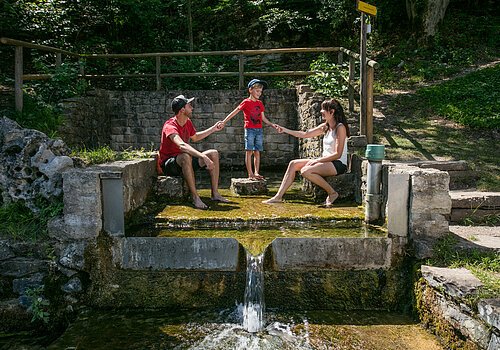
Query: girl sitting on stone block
point(332, 162)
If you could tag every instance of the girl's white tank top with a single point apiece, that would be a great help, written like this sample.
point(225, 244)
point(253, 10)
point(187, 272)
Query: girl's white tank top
point(329, 141)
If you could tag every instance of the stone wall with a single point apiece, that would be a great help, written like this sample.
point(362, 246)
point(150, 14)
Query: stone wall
point(444, 298)
point(134, 119)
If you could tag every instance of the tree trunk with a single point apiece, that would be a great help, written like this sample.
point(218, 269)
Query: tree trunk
point(425, 15)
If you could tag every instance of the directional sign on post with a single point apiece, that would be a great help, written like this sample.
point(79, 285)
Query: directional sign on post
point(367, 8)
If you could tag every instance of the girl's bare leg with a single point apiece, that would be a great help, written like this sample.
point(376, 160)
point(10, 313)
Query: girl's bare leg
point(316, 174)
point(288, 178)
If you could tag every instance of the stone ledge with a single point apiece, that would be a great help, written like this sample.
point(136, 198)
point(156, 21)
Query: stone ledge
point(201, 254)
point(302, 254)
point(458, 283)
point(475, 200)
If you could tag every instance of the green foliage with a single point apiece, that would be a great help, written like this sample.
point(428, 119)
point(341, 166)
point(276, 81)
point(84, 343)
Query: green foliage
point(464, 38)
point(39, 116)
point(472, 100)
point(105, 155)
point(63, 84)
point(19, 222)
point(39, 305)
point(330, 78)
point(485, 265)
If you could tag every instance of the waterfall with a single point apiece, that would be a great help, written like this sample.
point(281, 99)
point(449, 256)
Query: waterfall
point(253, 308)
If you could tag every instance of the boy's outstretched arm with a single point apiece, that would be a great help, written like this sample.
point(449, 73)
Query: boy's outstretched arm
point(265, 120)
point(230, 115)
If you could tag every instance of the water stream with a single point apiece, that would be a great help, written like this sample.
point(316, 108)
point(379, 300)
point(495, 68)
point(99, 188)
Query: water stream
point(253, 307)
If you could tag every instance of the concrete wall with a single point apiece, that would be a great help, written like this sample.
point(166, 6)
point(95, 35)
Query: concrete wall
point(133, 119)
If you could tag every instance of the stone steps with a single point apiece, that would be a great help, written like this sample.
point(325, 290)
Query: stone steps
point(477, 237)
point(461, 175)
point(474, 205)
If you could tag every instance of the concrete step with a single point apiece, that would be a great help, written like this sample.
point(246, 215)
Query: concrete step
point(461, 175)
point(477, 237)
point(474, 205)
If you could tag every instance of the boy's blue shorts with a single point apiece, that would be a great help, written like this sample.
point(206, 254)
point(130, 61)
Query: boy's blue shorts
point(254, 139)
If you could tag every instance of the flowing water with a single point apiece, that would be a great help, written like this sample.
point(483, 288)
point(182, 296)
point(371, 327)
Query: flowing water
point(253, 307)
point(223, 330)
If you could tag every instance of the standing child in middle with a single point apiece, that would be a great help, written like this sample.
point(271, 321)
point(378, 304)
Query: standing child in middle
point(253, 112)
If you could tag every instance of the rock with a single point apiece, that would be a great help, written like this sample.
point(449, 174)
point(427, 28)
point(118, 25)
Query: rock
point(20, 267)
point(72, 255)
point(30, 164)
point(5, 250)
point(246, 186)
point(74, 285)
point(20, 285)
point(489, 311)
point(455, 282)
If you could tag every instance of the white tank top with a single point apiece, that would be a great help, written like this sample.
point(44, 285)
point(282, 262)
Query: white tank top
point(329, 141)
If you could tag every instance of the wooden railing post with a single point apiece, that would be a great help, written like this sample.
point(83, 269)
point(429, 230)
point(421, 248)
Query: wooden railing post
point(369, 103)
point(340, 58)
point(362, 88)
point(158, 73)
point(58, 60)
point(352, 67)
point(241, 69)
point(18, 84)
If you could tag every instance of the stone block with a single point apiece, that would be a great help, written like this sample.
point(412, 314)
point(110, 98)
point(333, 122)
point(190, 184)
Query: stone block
point(331, 253)
point(475, 200)
point(171, 187)
point(21, 267)
point(205, 254)
point(245, 186)
point(489, 311)
point(457, 283)
point(398, 203)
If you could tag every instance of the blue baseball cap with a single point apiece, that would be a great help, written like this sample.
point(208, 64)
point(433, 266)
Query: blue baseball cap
point(257, 81)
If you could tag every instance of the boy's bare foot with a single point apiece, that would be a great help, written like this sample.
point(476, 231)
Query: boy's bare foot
point(219, 198)
point(259, 177)
point(198, 204)
point(273, 200)
point(331, 198)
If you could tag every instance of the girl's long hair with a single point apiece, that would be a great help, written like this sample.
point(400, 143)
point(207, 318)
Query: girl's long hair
point(339, 115)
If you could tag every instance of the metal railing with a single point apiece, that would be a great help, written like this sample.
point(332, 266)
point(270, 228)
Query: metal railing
point(366, 99)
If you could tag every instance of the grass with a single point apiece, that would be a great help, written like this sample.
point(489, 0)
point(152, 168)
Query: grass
point(421, 125)
point(484, 265)
point(20, 222)
point(105, 154)
point(472, 100)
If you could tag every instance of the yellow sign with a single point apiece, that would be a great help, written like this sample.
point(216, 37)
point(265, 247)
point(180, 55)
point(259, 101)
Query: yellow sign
point(367, 8)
